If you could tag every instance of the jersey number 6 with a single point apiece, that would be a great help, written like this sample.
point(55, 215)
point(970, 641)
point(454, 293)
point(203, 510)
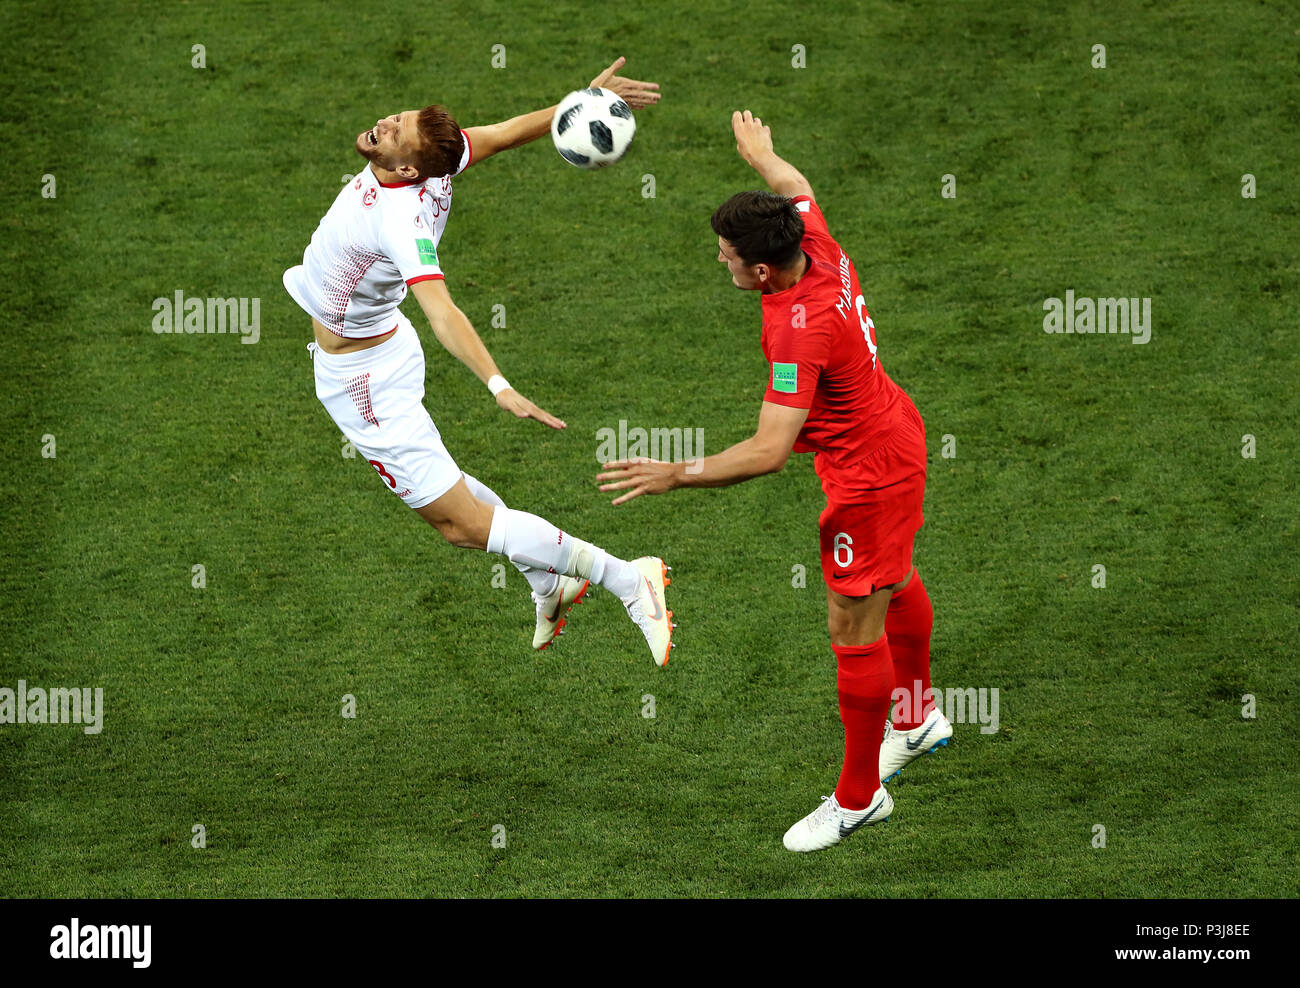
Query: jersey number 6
point(868, 327)
point(843, 549)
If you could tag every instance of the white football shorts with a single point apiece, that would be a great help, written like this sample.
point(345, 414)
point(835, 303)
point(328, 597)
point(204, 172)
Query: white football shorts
point(376, 397)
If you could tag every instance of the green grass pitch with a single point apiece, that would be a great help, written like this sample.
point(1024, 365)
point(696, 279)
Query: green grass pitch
point(1120, 706)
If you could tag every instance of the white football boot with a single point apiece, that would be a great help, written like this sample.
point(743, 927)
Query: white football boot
point(647, 608)
point(901, 748)
point(552, 610)
point(830, 823)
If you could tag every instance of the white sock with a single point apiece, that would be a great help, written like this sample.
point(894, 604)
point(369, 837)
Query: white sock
point(540, 580)
point(620, 578)
point(527, 540)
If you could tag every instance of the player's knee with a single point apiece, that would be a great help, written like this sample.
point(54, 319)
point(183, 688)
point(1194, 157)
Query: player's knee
point(842, 625)
point(854, 625)
point(855, 634)
point(468, 529)
point(462, 533)
point(461, 519)
point(452, 533)
point(835, 624)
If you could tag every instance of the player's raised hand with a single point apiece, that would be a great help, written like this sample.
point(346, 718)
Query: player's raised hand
point(641, 476)
point(752, 137)
point(512, 401)
point(633, 92)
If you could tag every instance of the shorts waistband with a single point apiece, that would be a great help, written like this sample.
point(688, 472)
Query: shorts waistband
point(361, 359)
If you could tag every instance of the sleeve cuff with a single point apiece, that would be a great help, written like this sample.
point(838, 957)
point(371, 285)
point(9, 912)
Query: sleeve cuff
point(789, 400)
point(469, 151)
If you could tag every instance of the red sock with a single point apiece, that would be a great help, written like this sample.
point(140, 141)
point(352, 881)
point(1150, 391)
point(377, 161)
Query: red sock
point(866, 676)
point(908, 623)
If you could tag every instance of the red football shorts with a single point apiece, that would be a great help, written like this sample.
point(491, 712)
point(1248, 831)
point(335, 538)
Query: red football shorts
point(866, 536)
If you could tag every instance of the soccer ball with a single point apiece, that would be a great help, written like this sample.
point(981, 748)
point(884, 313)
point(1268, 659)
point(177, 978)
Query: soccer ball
point(592, 128)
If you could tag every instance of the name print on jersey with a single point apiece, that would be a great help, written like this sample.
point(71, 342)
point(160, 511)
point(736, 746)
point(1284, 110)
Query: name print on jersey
point(859, 305)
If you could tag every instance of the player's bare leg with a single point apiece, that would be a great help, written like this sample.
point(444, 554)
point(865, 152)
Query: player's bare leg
point(865, 680)
point(532, 543)
point(918, 726)
point(460, 518)
point(856, 621)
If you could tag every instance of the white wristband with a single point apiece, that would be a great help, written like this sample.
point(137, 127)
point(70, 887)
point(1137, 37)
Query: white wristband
point(497, 384)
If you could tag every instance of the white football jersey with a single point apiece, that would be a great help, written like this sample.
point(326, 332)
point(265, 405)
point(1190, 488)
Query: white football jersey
point(376, 239)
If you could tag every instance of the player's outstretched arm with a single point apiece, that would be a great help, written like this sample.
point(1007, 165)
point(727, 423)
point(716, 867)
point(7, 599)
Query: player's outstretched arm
point(764, 452)
point(754, 142)
point(456, 333)
point(494, 138)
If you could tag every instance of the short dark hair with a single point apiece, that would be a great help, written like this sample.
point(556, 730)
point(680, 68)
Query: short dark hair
point(765, 228)
point(441, 142)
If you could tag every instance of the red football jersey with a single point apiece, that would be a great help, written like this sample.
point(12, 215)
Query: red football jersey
point(821, 343)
